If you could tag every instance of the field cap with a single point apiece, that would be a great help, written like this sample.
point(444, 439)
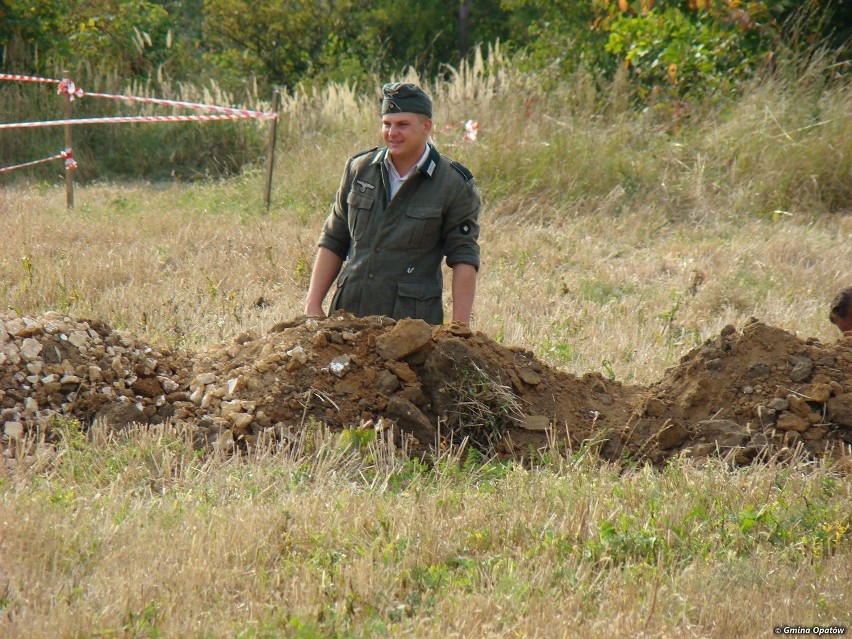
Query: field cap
point(405, 97)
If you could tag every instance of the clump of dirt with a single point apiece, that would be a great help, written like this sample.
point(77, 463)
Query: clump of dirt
point(743, 394)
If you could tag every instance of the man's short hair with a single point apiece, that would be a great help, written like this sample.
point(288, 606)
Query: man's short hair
point(842, 305)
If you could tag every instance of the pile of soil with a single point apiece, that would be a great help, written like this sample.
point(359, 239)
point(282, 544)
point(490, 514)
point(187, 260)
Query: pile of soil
point(743, 394)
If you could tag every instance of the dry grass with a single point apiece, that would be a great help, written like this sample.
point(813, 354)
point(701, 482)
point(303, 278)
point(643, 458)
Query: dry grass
point(140, 536)
point(197, 264)
point(612, 241)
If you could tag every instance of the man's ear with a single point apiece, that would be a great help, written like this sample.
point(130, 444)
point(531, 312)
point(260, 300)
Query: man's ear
point(427, 123)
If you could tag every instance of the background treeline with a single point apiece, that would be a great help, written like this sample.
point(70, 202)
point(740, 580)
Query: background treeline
point(681, 43)
point(670, 52)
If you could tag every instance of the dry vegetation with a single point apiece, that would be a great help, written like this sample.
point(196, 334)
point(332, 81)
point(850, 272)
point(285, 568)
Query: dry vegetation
point(138, 535)
point(612, 241)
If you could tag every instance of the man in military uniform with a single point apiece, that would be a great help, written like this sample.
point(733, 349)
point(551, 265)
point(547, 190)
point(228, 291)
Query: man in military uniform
point(399, 210)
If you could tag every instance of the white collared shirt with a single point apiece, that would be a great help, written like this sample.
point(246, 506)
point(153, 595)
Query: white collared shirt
point(396, 179)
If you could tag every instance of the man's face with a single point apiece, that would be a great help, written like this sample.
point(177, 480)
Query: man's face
point(406, 134)
point(843, 323)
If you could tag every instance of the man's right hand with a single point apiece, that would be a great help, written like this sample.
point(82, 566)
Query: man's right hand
point(314, 310)
point(326, 267)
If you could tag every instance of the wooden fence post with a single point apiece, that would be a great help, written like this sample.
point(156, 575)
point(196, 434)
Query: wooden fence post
point(270, 153)
point(69, 174)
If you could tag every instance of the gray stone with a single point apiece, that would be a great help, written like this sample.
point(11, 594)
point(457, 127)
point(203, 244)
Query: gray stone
point(168, 385)
point(78, 339)
point(16, 326)
point(758, 369)
point(713, 364)
point(30, 348)
point(778, 403)
point(803, 367)
point(13, 430)
point(536, 423)
point(340, 366)
point(203, 380)
point(241, 420)
point(232, 407)
point(725, 433)
point(387, 383)
point(411, 419)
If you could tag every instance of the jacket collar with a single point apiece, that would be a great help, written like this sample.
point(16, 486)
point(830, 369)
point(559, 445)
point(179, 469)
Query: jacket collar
point(427, 168)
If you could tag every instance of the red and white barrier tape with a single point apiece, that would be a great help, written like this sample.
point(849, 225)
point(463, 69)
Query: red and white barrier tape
point(136, 118)
point(243, 113)
point(67, 155)
point(26, 78)
point(67, 87)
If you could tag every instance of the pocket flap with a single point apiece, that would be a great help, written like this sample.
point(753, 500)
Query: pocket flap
point(423, 212)
point(359, 200)
point(419, 290)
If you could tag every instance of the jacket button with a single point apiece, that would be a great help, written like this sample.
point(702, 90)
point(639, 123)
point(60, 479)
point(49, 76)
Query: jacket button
point(370, 276)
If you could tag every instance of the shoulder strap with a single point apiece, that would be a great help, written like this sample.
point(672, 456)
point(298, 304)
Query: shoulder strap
point(461, 168)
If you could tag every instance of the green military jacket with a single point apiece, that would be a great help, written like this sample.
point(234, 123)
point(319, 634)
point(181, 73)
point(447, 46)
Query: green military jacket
point(392, 249)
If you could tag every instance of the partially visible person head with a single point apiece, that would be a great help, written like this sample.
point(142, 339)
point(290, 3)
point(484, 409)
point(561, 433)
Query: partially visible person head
point(841, 310)
point(406, 119)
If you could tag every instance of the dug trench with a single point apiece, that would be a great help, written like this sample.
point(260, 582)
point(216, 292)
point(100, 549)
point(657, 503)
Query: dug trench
point(748, 395)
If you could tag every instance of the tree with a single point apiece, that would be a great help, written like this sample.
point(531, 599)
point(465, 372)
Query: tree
point(283, 40)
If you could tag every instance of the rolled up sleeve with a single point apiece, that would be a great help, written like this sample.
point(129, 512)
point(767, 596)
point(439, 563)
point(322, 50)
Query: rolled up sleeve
point(335, 234)
point(461, 227)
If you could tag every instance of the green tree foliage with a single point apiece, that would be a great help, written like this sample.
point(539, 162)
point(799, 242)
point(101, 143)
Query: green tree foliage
point(28, 30)
point(426, 35)
point(283, 41)
point(130, 38)
point(291, 41)
point(691, 46)
point(560, 35)
point(677, 46)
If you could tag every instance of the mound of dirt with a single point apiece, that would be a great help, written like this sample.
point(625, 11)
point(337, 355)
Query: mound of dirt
point(739, 394)
point(745, 391)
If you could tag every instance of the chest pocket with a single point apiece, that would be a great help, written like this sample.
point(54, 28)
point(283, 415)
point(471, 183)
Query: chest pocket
point(420, 227)
point(360, 209)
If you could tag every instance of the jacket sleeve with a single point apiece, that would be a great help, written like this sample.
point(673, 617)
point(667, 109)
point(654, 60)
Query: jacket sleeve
point(335, 234)
point(460, 231)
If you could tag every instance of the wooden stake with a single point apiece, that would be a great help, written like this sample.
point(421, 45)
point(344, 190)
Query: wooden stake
point(69, 174)
point(270, 153)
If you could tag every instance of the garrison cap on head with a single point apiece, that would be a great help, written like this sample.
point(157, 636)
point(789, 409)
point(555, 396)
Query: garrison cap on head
point(405, 97)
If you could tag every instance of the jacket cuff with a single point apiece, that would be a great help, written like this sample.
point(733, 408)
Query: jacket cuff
point(464, 257)
point(341, 249)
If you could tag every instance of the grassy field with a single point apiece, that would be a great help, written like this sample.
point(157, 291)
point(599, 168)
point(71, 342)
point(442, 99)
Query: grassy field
point(614, 240)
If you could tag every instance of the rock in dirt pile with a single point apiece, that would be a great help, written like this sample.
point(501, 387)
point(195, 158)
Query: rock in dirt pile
point(744, 394)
